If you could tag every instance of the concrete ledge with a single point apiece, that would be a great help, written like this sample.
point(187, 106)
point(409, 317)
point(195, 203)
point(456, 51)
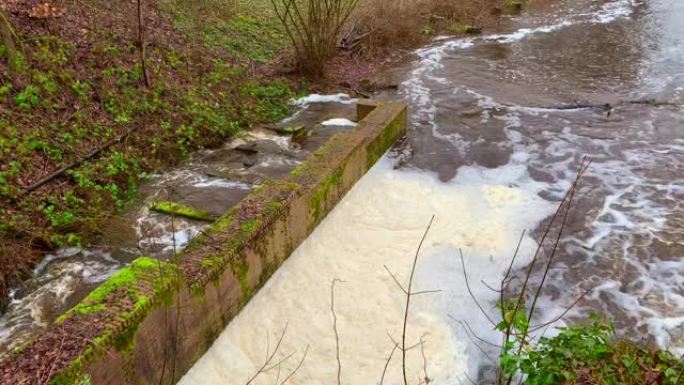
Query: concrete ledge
point(151, 322)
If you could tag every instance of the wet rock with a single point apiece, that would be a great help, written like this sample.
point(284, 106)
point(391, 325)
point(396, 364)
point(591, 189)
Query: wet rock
point(488, 375)
point(247, 148)
point(288, 130)
point(235, 175)
point(465, 29)
point(181, 210)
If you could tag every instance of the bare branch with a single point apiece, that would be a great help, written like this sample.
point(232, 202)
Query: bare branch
point(465, 276)
point(426, 292)
point(270, 355)
point(337, 335)
point(301, 362)
point(408, 300)
point(389, 358)
point(395, 279)
point(465, 324)
point(426, 377)
point(560, 316)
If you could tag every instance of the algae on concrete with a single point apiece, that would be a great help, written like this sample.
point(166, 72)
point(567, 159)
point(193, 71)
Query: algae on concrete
point(159, 274)
point(181, 210)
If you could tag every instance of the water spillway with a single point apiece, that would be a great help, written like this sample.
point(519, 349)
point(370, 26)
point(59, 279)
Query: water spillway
point(376, 228)
point(151, 320)
point(499, 126)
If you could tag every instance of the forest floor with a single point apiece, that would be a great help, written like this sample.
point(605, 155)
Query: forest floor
point(86, 113)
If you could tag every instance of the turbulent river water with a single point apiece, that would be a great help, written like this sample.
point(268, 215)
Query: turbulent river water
point(499, 125)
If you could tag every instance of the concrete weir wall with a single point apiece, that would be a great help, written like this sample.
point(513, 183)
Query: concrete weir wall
point(151, 321)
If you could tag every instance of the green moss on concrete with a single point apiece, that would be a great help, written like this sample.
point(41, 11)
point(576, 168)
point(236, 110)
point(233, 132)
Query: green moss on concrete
point(142, 268)
point(241, 271)
point(293, 129)
point(246, 228)
point(251, 226)
point(318, 200)
point(74, 374)
point(273, 208)
point(181, 210)
point(384, 141)
point(213, 261)
point(299, 170)
point(83, 379)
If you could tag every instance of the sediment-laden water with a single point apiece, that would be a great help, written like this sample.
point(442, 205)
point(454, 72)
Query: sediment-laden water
point(499, 126)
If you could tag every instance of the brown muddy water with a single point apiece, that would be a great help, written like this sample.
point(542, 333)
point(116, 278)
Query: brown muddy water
point(499, 125)
point(603, 79)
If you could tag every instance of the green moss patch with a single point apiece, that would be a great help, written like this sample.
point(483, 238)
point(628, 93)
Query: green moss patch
point(513, 7)
point(181, 210)
point(142, 280)
point(464, 29)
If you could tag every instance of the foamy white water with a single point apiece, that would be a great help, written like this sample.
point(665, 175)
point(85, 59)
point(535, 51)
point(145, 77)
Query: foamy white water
point(378, 223)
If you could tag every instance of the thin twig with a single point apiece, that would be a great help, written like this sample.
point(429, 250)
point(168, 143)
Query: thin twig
point(74, 164)
point(556, 244)
point(426, 378)
point(395, 279)
point(561, 315)
point(465, 276)
point(389, 358)
point(467, 325)
point(269, 358)
point(301, 362)
point(480, 348)
point(54, 361)
point(408, 300)
point(337, 334)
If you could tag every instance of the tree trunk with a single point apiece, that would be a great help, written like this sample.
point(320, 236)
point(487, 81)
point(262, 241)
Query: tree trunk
point(8, 40)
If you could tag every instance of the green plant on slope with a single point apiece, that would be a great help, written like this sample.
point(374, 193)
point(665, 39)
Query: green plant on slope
point(587, 353)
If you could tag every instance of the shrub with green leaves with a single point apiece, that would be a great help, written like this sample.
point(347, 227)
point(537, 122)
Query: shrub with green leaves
point(587, 353)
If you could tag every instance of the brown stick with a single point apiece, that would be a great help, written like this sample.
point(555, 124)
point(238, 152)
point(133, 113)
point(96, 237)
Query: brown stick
point(389, 358)
point(408, 300)
point(337, 334)
point(141, 45)
point(74, 164)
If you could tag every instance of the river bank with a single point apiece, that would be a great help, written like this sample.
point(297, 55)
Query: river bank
point(95, 99)
point(500, 124)
point(92, 147)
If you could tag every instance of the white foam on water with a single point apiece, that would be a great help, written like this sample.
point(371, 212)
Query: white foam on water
point(55, 280)
point(223, 183)
point(524, 33)
point(160, 233)
point(339, 122)
point(318, 98)
point(283, 141)
point(613, 10)
point(379, 223)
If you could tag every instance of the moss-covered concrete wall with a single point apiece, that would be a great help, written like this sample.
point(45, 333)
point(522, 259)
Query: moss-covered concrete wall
point(153, 320)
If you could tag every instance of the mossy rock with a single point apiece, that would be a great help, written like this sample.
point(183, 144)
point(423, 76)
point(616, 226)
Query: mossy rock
point(465, 29)
point(513, 7)
point(181, 210)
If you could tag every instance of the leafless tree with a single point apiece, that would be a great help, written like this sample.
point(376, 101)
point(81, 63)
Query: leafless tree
point(313, 27)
